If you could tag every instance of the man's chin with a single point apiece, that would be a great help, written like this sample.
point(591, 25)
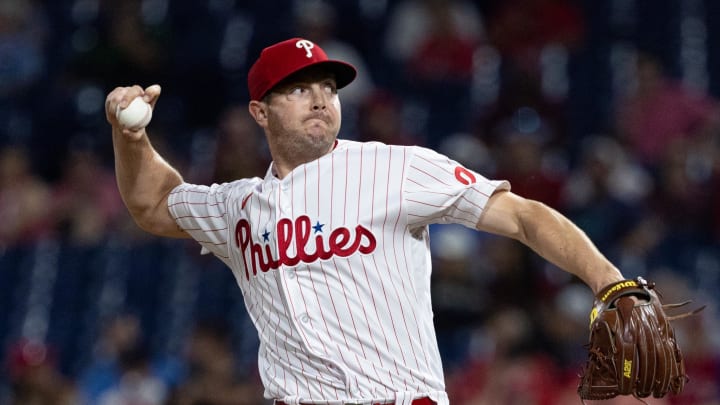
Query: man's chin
point(314, 146)
point(320, 135)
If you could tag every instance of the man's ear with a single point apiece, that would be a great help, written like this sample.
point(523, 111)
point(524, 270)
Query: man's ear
point(258, 110)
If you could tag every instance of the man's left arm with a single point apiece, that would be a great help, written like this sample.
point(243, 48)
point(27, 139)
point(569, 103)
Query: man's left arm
point(551, 235)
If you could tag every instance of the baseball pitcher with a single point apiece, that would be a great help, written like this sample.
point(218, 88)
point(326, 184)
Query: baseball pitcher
point(330, 247)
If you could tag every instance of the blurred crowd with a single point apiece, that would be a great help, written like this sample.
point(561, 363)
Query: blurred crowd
point(94, 311)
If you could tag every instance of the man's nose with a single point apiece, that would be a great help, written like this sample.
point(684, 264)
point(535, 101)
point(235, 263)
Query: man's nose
point(319, 98)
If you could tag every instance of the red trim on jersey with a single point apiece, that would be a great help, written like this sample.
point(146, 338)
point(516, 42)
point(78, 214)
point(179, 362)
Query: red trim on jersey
point(245, 200)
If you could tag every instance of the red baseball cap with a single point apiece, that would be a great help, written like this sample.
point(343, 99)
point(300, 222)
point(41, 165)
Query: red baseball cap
point(278, 61)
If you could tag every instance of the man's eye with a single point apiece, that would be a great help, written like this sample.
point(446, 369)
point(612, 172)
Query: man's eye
point(297, 91)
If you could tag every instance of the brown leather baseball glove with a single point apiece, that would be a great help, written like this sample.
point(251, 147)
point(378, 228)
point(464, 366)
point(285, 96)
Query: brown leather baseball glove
point(632, 346)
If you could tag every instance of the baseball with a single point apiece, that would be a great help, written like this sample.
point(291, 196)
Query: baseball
point(136, 115)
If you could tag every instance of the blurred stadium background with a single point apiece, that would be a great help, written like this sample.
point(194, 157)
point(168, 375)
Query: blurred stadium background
point(606, 110)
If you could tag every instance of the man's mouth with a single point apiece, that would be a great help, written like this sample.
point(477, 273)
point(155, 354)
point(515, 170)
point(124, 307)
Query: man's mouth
point(319, 117)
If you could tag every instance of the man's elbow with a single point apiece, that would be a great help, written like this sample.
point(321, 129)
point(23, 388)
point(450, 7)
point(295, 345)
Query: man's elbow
point(531, 215)
point(156, 223)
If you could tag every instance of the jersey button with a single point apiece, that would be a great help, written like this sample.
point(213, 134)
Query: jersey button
point(304, 318)
point(290, 274)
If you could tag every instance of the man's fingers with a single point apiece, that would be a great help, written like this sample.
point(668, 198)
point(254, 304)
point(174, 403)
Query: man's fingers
point(153, 90)
point(152, 93)
point(121, 97)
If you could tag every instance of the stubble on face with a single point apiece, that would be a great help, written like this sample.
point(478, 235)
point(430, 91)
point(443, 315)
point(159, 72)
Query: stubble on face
point(300, 145)
point(299, 133)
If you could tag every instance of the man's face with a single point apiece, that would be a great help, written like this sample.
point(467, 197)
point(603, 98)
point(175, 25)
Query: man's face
point(303, 116)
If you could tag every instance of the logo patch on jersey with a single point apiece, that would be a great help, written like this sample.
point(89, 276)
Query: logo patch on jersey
point(296, 236)
point(464, 175)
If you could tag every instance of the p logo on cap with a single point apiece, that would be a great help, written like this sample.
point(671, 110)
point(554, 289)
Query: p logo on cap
point(303, 43)
point(278, 61)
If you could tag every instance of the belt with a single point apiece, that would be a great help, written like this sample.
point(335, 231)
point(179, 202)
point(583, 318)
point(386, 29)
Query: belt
point(419, 401)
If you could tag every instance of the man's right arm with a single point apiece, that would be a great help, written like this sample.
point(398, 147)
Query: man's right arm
point(144, 178)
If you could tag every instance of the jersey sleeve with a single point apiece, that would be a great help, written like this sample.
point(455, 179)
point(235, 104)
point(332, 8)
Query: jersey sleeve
point(438, 189)
point(201, 211)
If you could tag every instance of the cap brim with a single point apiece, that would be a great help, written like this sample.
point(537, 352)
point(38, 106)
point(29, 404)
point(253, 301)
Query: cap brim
point(344, 72)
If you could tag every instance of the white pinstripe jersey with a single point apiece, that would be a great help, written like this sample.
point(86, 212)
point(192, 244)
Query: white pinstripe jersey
point(334, 265)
